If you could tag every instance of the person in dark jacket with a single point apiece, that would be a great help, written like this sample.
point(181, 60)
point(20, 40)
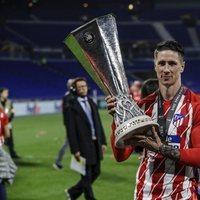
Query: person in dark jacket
point(65, 101)
point(86, 138)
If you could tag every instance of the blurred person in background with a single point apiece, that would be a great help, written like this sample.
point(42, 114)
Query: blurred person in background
point(86, 138)
point(7, 106)
point(149, 86)
point(135, 90)
point(7, 166)
point(65, 101)
point(172, 152)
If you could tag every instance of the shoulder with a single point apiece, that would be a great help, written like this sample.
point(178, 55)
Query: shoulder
point(68, 95)
point(8, 101)
point(70, 98)
point(3, 116)
point(92, 102)
point(193, 101)
point(192, 97)
point(2, 113)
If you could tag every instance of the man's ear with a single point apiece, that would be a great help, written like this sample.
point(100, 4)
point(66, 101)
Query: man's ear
point(155, 68)
point(183, 67)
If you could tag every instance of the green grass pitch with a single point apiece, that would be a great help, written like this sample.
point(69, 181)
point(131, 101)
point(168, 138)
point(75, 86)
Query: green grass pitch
point(38, 139)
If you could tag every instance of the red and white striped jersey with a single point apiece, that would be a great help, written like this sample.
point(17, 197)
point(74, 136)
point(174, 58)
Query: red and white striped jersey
point(162, 178)
point(3, 122)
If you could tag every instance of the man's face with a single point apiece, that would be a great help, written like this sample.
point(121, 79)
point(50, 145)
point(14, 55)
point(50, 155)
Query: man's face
point(168, 66)
point(81, 88)
point(4, 94)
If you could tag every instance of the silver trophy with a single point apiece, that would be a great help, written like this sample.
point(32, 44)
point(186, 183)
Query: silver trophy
point(96, 46)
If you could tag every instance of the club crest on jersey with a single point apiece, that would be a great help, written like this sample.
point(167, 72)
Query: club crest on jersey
point(178, 120)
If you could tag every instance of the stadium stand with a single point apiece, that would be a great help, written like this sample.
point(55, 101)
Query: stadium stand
point(32, 80)
point(33, 56)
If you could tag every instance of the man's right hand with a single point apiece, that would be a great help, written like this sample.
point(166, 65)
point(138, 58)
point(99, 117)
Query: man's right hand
point(77, 156)
point(111, 104)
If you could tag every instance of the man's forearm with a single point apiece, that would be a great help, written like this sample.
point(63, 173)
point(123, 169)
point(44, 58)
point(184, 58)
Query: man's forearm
point(170, 152)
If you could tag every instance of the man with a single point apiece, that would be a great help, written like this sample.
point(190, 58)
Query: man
point(86, 138)
point(65, 101)
point(166, 171)
point(7, 107)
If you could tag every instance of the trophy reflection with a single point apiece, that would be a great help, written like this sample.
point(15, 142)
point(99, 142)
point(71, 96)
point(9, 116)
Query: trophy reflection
point(96, 46)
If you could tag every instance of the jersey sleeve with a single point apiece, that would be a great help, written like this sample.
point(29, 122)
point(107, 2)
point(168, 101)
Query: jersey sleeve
point(191, 156)
point(119, 154)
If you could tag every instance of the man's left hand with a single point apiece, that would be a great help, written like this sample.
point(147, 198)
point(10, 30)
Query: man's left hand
point(150, 142)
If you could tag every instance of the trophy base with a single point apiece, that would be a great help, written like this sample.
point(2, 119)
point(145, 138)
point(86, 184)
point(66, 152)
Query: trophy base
point(137, 125)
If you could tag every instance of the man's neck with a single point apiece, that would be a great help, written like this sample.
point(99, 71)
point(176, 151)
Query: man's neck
point(168, 93)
